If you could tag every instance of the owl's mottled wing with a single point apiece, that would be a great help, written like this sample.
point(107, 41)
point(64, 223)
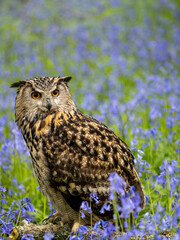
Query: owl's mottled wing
point(81, 163)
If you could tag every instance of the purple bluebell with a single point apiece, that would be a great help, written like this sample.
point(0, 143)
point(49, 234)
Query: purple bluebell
point(117, 184)
point(85, 206)
point(27, 237)
point(48, 236)
point(105, 207)
point(94, 197)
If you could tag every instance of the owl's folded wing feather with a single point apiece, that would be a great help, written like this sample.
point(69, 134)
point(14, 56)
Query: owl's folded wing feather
point(92, 152)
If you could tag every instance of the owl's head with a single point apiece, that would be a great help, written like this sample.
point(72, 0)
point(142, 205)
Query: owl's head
point(41, 96)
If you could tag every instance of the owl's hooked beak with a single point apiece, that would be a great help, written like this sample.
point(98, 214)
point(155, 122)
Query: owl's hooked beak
point(48, 105)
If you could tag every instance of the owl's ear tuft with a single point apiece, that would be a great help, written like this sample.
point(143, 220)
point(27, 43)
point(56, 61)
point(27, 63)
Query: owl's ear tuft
point(18, 84)
point(65, 79)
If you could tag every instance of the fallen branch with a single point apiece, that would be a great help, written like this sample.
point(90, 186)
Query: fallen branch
point(38, 231)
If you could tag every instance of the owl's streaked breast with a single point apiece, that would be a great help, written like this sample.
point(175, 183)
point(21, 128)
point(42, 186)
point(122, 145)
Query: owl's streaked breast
point(44, 140)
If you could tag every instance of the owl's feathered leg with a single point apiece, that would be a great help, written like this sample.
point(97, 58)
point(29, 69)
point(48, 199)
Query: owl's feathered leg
point(75, 227)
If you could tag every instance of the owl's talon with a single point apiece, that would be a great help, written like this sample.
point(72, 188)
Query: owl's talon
point(52, 218)
point(45, 219)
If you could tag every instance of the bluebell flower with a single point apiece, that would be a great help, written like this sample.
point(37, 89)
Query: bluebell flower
point(11, 192)
point(83, 230)
point(6, 228)
point(3, 121)
point(97, 226)
point(178, 142)
point(85, 206)
point(170, 121)
point(3, 201)
point(101, 224)
point(2, 189)
point(26, 203)
point(94, 197)
point(48, 236)
point(82, 214)
point(2, 196)
point(19, 143)
point(75, 237)
point(125, 224)
point(117, 184)
point(107, 233)
point(106, 207)
point(178, 151)
point(21, 187)
point(126, 207)
point(177, 212)
point(176, 236)
point(153, 132)
point(27, 237)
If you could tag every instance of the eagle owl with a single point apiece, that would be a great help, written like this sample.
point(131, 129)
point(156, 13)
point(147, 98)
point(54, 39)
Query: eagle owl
point(72, 153)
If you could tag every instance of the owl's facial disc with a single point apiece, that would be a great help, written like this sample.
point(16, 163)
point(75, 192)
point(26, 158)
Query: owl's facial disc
point(44, 101)
point(50, 100)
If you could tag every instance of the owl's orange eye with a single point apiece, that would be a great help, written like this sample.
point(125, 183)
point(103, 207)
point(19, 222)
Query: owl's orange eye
point(35, 95)
point(55, 93)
